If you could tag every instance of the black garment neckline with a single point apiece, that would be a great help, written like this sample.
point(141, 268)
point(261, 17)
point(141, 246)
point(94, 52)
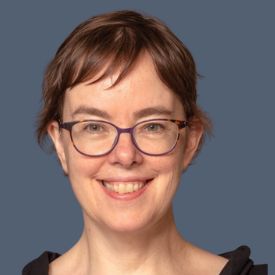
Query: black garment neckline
point(239, 263)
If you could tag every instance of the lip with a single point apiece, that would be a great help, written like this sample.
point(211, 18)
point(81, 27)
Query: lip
point(127, 196)
point(125, 179)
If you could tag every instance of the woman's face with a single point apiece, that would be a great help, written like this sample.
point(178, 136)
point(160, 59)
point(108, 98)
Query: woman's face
point(140, 96)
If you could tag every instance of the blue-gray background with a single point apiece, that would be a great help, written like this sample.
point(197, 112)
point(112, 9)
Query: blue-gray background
point(226, 198)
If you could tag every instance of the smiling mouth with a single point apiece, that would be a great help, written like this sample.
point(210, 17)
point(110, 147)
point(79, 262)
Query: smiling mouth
point(124, 187)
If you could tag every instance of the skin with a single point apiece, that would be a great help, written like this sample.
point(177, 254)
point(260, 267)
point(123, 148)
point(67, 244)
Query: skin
point(136, 236)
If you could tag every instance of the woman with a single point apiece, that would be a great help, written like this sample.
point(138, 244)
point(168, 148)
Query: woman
point(120, 108)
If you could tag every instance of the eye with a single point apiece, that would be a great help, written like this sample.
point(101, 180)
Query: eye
point(153, 127)
point(94, 128)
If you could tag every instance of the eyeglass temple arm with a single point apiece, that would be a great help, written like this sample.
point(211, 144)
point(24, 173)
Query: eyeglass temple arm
point(181, 124)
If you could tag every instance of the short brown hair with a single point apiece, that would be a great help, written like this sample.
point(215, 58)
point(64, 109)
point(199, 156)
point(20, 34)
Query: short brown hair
point(113, 41)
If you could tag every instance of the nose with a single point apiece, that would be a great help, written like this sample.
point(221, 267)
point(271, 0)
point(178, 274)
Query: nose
point(125, 153)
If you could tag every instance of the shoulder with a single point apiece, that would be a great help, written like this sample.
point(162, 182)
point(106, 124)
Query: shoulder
point(40, 265)
point(239, 262)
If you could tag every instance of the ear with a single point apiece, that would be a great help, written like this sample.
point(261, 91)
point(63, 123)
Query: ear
point(55, 135)
point(193, 138)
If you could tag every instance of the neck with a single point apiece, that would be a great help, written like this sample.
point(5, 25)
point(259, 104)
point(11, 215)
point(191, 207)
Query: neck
point(148, 251)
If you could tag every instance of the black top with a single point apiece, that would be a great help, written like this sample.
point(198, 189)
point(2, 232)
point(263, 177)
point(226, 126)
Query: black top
point(238, 264)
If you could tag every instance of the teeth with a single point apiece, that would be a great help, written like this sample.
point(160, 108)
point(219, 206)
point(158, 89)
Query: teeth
point(123, 188)
point(129, 187)
point(115, 187)
point(110, 186)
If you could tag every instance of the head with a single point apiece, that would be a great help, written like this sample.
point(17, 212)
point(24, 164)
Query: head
point(122, 64)
point(113, 42)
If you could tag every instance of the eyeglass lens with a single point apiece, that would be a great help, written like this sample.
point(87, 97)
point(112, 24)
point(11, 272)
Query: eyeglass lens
point(96, 138)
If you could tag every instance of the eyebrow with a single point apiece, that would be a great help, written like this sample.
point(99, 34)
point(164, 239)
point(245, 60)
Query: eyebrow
point(156, 110)
point(85, 110)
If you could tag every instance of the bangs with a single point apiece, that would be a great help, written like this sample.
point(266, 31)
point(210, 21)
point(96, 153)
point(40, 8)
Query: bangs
point(100, 55)
point(103, 51)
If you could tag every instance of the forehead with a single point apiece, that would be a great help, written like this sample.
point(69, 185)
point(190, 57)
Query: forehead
point(140, 89)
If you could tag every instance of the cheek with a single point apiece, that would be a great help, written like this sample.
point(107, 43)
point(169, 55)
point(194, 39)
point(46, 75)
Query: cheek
point(81, 167)
point(82, 172)
point(169, 171)
point(168, 166)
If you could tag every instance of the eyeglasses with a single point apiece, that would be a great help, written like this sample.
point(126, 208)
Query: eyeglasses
point(154, 137)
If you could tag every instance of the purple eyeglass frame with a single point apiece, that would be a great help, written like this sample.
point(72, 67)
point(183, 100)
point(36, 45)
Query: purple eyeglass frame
point(69, 125)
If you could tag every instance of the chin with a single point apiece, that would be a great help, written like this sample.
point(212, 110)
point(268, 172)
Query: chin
point(127, 223)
